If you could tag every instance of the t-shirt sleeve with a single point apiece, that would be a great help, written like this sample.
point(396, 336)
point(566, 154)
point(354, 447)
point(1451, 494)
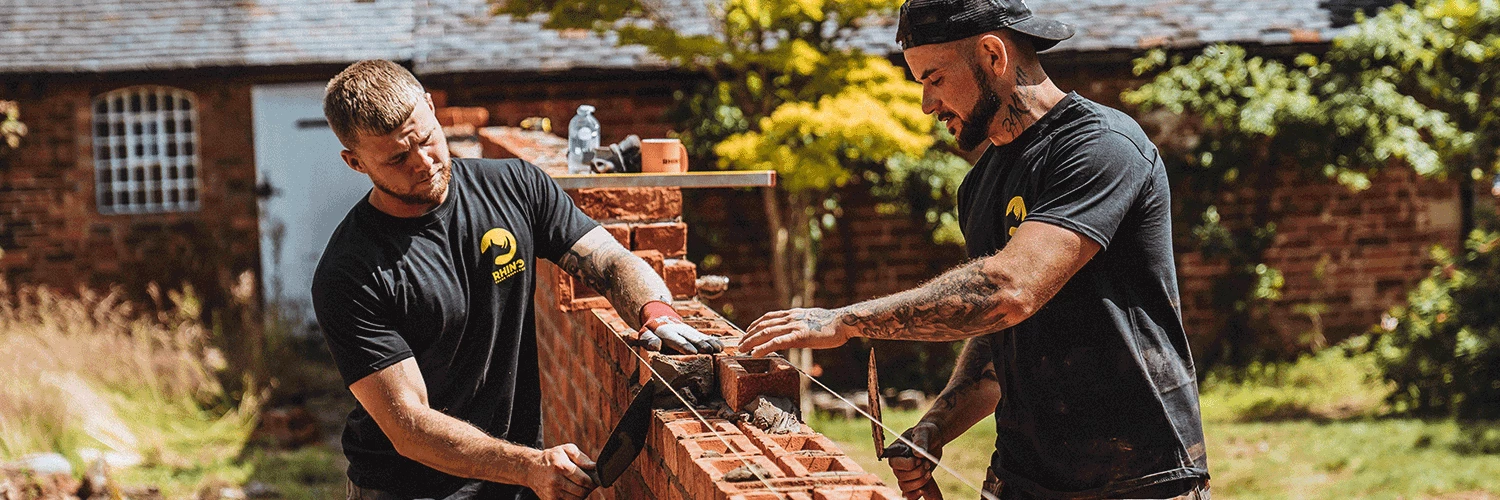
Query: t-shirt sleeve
point(361, 337)
point(1093, 186)
point(556, 222)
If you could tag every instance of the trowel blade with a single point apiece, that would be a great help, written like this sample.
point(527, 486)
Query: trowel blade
point(874, 402)
point(629, 436)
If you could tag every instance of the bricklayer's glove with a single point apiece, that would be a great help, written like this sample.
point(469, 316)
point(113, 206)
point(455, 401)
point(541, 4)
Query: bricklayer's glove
point(674, 333)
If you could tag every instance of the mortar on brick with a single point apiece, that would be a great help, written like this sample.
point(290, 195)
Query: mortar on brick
point(855, 493)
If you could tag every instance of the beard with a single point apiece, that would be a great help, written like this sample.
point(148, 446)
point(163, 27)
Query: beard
point(977, 127)
point(422, 194)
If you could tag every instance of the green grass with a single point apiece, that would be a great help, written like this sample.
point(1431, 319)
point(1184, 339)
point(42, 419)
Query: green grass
point(1310, 429)
point(93, 371)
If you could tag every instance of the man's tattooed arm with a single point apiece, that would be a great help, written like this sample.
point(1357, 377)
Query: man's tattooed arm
point(972, 393)
point(959, 304)
point(982, 296)
point(600, 262)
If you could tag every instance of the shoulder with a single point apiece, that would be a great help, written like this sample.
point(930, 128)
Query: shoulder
point(353, 257)
point(1105, 133)
point(491, 168)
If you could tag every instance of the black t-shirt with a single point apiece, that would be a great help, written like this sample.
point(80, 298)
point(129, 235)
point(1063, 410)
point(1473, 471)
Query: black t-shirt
point(1099, 394)
point(453, 289)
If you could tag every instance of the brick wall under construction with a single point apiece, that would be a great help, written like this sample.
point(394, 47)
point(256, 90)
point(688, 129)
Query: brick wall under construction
point(590, 375)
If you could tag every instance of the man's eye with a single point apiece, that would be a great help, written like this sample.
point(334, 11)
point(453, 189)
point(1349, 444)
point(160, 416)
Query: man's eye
point(937, 82)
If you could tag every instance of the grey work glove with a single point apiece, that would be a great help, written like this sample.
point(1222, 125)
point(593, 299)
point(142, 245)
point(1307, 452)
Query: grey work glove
point(681, 338)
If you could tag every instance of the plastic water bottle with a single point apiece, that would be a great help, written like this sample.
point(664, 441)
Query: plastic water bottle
point(583, 137)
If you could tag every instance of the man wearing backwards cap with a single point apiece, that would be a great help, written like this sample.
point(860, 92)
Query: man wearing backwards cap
point(1070, 304)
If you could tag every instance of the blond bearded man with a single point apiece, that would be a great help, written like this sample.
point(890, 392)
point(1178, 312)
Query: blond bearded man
point(424, 296)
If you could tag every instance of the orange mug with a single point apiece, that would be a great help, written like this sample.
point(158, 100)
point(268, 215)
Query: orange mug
point(663, 155)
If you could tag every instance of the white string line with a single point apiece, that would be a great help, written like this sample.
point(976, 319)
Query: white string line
point(728, 447)
point(899, 437)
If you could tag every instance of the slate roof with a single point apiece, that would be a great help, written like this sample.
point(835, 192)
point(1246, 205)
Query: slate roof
point(454, 36)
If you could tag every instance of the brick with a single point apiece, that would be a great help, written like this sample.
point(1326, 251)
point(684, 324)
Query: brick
point(621, 232)
point(669, 238)
point(681, 276)
point(855, 493)
point(705, 481)
point(475, 117)
point(808, 465)
point(742, 378)
point(797, 442)
point(764, 495)
point(654, 259)
point(629, 204)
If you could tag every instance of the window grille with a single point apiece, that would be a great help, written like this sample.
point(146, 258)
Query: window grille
point(146, 151)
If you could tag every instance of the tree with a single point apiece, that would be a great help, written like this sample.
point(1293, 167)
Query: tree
point(1409, 86)
point(786, 92)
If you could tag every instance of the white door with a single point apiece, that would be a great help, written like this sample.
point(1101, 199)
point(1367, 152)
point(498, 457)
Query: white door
point(297, 158)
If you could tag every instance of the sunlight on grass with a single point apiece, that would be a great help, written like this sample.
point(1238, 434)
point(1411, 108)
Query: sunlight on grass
point(94, 372)
point(1310, 429)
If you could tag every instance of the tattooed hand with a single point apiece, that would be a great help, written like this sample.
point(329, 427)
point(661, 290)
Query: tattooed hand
point(793, 328)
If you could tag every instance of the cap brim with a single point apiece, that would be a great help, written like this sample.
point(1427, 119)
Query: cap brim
point(1046, 32)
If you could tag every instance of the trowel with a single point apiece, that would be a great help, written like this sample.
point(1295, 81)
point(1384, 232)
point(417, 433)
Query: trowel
point(900, 449)
point(629, 436)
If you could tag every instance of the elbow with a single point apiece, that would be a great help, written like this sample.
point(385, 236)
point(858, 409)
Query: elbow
point(1015, 305)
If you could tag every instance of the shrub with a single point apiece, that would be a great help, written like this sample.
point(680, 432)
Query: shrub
point(1442, 349)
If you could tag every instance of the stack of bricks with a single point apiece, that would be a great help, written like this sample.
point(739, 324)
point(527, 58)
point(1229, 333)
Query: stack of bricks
point(590, 373)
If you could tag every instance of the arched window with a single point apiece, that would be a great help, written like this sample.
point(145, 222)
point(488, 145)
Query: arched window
point(146, 150)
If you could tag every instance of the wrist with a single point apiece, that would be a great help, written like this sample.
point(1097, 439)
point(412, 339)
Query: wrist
point(844, 321)
point(658, 312)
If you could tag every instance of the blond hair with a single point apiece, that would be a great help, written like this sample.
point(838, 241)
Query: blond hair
point(370, 97)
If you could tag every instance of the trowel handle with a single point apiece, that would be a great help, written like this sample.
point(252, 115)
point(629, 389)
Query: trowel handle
point(931, 491)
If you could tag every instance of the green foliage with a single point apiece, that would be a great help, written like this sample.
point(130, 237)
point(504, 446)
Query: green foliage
point(926, 186)
point(11, 128)
point(1442, 349)
point(877, 116)
point(1410, 86)
point(784, 91)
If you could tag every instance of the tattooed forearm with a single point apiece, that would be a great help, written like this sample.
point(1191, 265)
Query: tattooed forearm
point(626, 280)
point(961, 303)
point(973, 390)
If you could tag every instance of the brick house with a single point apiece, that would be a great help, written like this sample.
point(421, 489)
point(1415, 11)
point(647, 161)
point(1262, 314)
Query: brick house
point(182, 141)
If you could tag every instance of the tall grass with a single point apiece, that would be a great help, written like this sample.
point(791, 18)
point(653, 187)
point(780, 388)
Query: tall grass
point(89, 373)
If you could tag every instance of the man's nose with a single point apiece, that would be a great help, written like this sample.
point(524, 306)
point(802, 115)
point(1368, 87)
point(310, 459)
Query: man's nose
point(929, 103)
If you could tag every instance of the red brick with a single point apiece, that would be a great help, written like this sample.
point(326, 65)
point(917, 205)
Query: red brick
point(742, 378)
point(681, 276)
point(621, 232)
point(763, 495)
point(476, 117)
point(797, 442)
point(710, 473)
point(654, 259)
point(805, 465)
point(669, 238)
point(629, 204)
point(855, 493)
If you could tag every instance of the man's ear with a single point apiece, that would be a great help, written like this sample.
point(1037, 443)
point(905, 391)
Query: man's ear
point(352, 161)
point(430, 105)
point(990, 52)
